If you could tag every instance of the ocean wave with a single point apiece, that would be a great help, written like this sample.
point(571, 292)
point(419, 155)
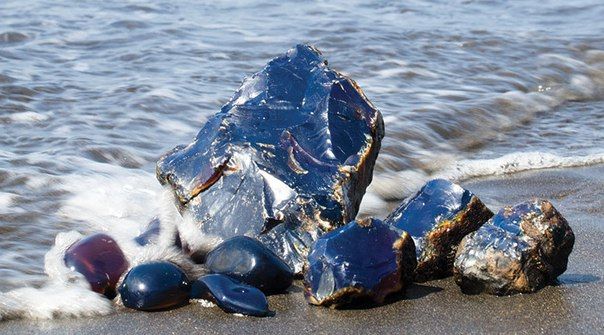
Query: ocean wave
point(395, 186)
point(455, 122)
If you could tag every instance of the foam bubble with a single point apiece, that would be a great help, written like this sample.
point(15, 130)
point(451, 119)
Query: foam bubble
point(5, 200)
point(28, 117)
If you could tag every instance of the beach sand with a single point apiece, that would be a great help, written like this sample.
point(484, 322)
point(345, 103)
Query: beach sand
point(573, 306)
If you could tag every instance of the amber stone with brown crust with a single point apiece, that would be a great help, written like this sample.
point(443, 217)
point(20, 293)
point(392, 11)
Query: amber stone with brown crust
point(519, 250)
point(438, 217)
point(366, 260)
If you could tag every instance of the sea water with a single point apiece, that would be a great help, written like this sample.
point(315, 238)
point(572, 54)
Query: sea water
point(92, 93)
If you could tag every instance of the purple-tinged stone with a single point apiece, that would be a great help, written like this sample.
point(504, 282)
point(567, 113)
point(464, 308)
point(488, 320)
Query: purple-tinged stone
point(437, 218)
point(99, 258)
point(519, 250)
point(364, 260)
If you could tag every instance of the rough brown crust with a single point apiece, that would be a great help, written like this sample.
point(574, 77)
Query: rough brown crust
point(436, 260)
point(547, 243)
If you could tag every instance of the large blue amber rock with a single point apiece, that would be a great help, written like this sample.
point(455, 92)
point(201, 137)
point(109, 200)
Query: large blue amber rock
point(287, 158)
point(364, 260)
point(155, 286)
point(437, 218)
point(519, 250)
point(249, 261)
point(230, 295)
point(99, 258)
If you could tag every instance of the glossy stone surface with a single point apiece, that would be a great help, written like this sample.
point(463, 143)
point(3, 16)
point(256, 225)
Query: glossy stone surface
point(437, 218)
point(249, 261)
point(99, 258)
point(519, 250)
point(287, 158)
point(231, 295)
point(155, 286)
point(364, 260)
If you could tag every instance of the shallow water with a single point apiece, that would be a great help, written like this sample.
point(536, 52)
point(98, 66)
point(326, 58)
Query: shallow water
point(91, 94)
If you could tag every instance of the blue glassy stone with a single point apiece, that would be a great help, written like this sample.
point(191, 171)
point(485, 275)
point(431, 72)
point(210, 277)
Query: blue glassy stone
point(249, 261)
point(100, 260)
point(287, 158)
point(155, 286)
point(365, 260)
point(151, 234)
point(231, 295)
point(437, 218)
point(519, 250)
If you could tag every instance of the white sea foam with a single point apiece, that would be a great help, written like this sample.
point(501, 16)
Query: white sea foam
point(113, 199)
point(5, 200)
point(28, 117)
point(398, 185)
point(516, 162)
point(66, 293)
point(57, 299)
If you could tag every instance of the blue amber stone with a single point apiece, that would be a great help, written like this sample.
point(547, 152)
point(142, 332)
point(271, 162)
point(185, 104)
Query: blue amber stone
point(249, 261)
point(363, 260)
point(287, 158)
point(437, 218)
point(231, 295)
point(99, 258)
point(519, 250)
point(155, 286)
point(151, 234)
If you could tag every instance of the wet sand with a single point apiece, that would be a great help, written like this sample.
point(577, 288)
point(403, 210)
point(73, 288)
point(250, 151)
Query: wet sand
point(573, 306)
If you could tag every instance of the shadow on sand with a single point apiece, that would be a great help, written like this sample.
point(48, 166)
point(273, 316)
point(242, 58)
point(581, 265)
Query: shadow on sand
point(571, 279)
point(415, 291)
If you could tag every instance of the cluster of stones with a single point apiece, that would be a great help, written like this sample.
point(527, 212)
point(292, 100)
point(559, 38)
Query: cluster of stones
point(242, 270)
point(279, 173)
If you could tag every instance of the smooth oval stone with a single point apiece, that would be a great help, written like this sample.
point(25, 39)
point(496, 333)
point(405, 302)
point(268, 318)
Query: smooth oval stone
point(438, 217)
point(99, 258)
point(249, 261)
point(155, 286)
point(364, 260)
point(519, 250)
point(286, 159)
point(230, 295)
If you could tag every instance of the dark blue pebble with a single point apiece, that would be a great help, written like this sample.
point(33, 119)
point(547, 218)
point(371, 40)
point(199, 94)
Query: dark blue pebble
point(249, 261)
point(155, 286)
point(230, 295)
